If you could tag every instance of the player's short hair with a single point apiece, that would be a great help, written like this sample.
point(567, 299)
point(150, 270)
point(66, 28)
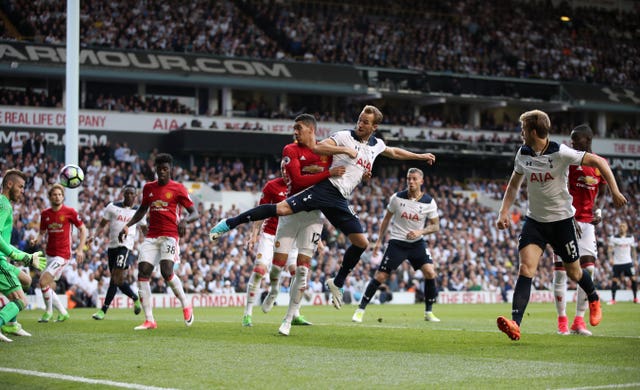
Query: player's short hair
point(415, 170)
point(536, 120)
point(163, 158)
point(10, 175)
point(308, 120)
point(584, 129)
point(54, 187)
point(129, 187)
point(377, 115)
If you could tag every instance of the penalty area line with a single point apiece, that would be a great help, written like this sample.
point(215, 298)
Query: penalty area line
point(612, 386)
point(81, 379)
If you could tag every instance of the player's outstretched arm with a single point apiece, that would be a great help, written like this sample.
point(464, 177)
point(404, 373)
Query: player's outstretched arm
point(592, 160)
point(81, 245)
point(402, 154)
point(328, 147)
point(509, 198)
point(383, 230)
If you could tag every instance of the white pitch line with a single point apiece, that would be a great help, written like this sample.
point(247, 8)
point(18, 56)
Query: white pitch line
point(436, 327)
point(613, 386)
point(82, 379)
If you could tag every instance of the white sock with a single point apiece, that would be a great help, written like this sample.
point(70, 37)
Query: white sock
point(252, 291)
point(560, 292)
point(57, 304)
point(274, 277)
point(298, 286)
point(176, 287)
point(48, 301)
point(144, 293)
point(582, 302)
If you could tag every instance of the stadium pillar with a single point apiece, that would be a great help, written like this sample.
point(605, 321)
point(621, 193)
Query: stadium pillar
point(214, 102)
point(602, 124)
point(283, 102)
point(142, 90)
point(474, 116)
point(227, 102)
point(72, 92)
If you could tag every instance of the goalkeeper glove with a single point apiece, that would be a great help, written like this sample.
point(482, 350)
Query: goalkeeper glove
point(38, 260)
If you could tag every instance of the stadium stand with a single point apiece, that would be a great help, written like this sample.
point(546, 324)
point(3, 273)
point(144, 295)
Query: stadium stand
point(470, 37)
point(459, 72)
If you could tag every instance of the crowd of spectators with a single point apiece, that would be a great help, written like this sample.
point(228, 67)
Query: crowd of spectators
point(135, 103)
point(470, 37)
point(29, 98)
point(429, 119)
point(470, 254)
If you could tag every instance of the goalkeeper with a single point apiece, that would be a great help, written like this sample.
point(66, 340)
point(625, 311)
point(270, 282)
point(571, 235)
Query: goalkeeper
point(12, 190)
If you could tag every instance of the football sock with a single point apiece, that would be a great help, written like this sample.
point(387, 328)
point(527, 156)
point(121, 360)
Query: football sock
point(252, 289)
point(298, 286)
point(349, 261)
point(587, 285)
point(559, 292)
point(126, 290)
point(46, 295)
point(57, 304)
point(369, 292)
point(274, 277)
point(521, 295)
point(255, 214)
point(111, 292)
point(614, 288)
point(430, 293)
point(144, 291)
point(634, 288)
point(10, 311)
point(176, 287)
point(581, 297)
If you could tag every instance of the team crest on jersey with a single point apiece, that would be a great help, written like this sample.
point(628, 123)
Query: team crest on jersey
point(168, 195)
point(61, 218)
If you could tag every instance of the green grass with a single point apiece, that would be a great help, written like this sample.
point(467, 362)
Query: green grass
point(393, 348)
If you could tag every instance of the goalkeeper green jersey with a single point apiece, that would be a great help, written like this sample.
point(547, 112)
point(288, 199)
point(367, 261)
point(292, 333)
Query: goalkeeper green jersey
point(6, 226)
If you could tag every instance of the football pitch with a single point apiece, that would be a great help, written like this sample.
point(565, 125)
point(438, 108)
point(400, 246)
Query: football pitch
point(393, 348)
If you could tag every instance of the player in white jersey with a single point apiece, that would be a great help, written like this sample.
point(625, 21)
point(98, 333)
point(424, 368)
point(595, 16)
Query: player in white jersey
point(544, 165)
point(116, 215)
point(331, 195)
point(623, 255)
point(413, 214)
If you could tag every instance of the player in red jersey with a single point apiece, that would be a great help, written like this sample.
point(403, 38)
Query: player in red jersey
point(585, 185)
point(273, 192)
point(304, 163)
point(55, 223)
point(301, 168)
point(164, 200)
